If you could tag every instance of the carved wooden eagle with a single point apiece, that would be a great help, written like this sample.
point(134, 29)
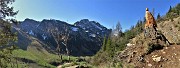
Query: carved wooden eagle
point(150, 21)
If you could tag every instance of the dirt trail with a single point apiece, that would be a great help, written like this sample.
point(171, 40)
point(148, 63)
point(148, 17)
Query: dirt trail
point(68, 65)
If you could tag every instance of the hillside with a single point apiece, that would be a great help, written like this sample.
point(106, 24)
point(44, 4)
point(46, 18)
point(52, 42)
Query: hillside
point(38, 42)
point(154, 42)
point(133, 49)
point(84, 38)
point(136, 48)
point(34, 53)
point(146, 53)
point(171, 29)
point(141, 54)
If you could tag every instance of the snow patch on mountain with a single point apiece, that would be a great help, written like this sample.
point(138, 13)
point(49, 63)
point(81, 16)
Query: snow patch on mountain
point(74, 28)
point(31, 32)
point(63, 43)
point(97, 32)
point(87, 31)
point(97, 26)
point(37, 25)
point(44, 36)
point(92, 35)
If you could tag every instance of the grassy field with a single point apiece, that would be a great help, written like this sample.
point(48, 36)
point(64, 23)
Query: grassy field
point(38, 59)
point(36, 56)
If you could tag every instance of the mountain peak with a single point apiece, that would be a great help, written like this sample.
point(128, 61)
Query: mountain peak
point(27, 19)
point(85, 32)
point(84, 20)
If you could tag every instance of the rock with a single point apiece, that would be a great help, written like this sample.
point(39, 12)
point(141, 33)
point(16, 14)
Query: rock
point(174, 48)
point(129, 44)
point(160, 65)
point(129, 60)
point(166, 47)
point(149, 65)
point(164, 52)
point(154, 56)
point(141, 59)
point(157, 59)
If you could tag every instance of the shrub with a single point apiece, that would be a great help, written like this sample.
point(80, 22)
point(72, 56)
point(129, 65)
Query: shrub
point(118, 65)
point(176, 25)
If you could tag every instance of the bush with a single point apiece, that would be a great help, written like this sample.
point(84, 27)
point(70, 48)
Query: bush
point(118, 65)
point(176, 25)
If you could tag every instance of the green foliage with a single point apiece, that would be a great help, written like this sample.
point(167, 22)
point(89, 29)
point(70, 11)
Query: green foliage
point(113, 45)
point(130, 66)
point(104, 44)
point(170, 9)
point(173, 12)
point(158, 16)
point(129, 34)
point(6, 10)
point(7, 40)
point(118, 65)
point(100, 58)
point(110, 48)
point(43, 59)
point(176, 25)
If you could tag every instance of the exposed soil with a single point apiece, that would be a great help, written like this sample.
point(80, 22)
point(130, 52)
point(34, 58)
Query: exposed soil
point(150, 53)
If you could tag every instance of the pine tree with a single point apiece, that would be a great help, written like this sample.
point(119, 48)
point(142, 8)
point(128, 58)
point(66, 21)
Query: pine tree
point(109, 47)
point(104, 44)
point(158, 16)
point(108, 44)
point(6, 10)
point(144, 19)
point(138, 23)
point(7, 38)
point(170, 9)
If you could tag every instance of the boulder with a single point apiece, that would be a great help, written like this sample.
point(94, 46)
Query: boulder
point(157, 59)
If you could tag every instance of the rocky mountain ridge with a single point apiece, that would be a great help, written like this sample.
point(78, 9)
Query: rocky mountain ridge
point(83, 38)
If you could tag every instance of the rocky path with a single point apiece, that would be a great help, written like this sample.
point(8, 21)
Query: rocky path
point(68, 65)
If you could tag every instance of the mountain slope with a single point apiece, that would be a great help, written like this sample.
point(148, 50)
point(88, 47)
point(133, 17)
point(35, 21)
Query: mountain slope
point(73, 39)
point(171, 29)
point(147, 53)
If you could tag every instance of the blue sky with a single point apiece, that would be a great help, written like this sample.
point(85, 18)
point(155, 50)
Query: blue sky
point(106, 12)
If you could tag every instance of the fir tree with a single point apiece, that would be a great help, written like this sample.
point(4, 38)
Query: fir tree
point(7, 38)
point(158, 16)
point(104, 44)
point(6, 10)
point(170, 9)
